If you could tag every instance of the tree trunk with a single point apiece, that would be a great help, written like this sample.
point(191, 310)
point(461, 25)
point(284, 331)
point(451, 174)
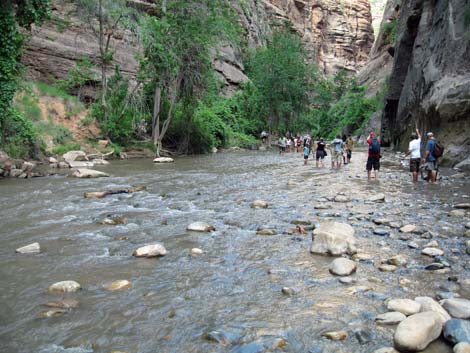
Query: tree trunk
point(156, 118)
point(104, 84)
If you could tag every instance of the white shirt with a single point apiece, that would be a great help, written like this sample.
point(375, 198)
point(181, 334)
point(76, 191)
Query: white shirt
point(415, 148)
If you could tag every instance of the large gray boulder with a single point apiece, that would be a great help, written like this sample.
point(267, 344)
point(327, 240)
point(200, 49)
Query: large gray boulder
point(417, 331)
point(457, 307)
point(457, 330)
point(429, 304)
point(74, 156)
point(404, 306)
point(333, 238)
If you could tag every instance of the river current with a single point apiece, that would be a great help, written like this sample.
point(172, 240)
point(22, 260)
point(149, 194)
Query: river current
point(234, 287)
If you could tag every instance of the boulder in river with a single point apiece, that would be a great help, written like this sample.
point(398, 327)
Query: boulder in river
point(457, 330)
point(333, 238)
point(342, 267)
point(457, 307)
point(86, 164)
point(417, 331)
point(153, 250)
point(404, 306)
point(429, 304)
point(390, 318)
point(33, 248)
point(163, 160)
point(73, 156)
point(65, 287)
point(118, 285)
point(259, 204)
point(88, 173)
point(200, 227)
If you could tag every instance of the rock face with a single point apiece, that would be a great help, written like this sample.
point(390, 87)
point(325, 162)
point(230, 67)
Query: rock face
point(333, 238)
point(430, 80)
point(416, 332)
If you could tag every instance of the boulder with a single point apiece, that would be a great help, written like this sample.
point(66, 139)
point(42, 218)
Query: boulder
point(118, 285)
point(259, 204)
point(404, 306)
point(457, 307)
point(457, 330)
point(432, 252)
point(29, 249)
point(163, 160)
point(429, 304)
point(417, 331)
point(63, 165)
point(88, 173)
point(200, 227)
point(390, 318)
point(153, 250)
point(80, 164)
point(333, 238)
point(52, 160)
point(342, 267)
point(462, 347)
point(65, 287)
point(73, 156)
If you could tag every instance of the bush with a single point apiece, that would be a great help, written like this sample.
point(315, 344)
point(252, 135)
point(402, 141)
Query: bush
point(20, 135)
point(390, 31)
point(61, 149)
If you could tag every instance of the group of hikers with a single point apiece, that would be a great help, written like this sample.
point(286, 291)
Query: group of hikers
point(341, 149)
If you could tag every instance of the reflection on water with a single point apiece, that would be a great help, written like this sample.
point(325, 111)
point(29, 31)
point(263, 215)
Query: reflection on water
point(235, 286)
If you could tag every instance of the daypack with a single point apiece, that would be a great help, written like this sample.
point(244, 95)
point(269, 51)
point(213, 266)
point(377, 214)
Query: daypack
point(438, 150)
point(374, 147)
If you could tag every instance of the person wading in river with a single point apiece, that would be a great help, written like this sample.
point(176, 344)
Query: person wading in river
point(430, 158)
point(349, 148)
point(320, 152)
point(414, 149)
point(373, 159)
point(337, 152)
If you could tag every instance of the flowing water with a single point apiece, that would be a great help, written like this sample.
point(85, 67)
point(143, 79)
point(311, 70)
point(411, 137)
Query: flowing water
point(235, 286)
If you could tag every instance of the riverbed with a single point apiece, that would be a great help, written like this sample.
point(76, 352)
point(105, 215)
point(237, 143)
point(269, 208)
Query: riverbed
point(234, 287)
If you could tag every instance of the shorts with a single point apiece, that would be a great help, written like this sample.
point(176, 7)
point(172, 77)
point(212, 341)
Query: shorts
point(373, 162)
point(414, 165)
point(337, 156)
point(282, 148)
point(349, 154)
point(320, 155)
point(430, 166)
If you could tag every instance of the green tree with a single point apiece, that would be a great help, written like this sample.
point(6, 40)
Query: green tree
point(177, 57)
point(14, 15)
point(279, 72)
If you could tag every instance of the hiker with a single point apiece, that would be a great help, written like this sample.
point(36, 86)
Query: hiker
point(337, 152)
point(298, 143)
point(349, 148)
point(414, 149)
point(320, 153)
point(373, 159)
point(307, 141)
point(306, 154)
point(431, 159)
point(282, 144)
point(264, 136)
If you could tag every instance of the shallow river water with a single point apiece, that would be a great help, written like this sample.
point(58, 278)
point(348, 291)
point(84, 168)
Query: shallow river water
point(235, 286)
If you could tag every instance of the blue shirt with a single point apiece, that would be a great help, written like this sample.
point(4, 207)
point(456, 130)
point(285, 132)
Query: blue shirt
point(306, 151)
point(430, 147)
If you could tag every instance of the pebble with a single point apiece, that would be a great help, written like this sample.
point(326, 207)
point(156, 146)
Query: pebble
point(259, 204)
point(457, 330)
point(65, 287)
point(381, 231)
point(148, 251)
point(33, 248)
point(408, 228)
point(432, 244)
point(222, 336)
point(404, 306)
point(341, 198)
point(467, 225)
point(266, 232)
point(390, 318)
point(342, 267)
point(463, 347)
point(52, 313)
point(397, 260)
point(347, 280)
point(413, 245)
point(200, 227)
point(432, 252)
point(196, 251)
point(457, 307)
point(118, 285)
point(382, 221)
point(288, 291)
point(417, 331)
point(388, 268)
point(386, 350)
point(435, 266)
point(335, 335)
point(377, 198)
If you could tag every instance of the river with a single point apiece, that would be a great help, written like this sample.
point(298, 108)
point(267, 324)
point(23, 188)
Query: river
point(234, 287)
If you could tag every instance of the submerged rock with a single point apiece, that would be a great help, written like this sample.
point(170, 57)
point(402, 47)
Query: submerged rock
point(67, 303)
point(417, 331)
point(163, 160)
point(335, 335)
point(33, 248)
point(88, 173)
point(333, 238)
point(153, 250)
point(118, 285)
point(342, 267)
point(200, 227)
point(259, 204)
point(65, 287)
point(390, 318)
point(265, 231)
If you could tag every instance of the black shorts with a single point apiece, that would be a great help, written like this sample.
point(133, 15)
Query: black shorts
point(414, 165)
point(373, 162)
point(320, 155)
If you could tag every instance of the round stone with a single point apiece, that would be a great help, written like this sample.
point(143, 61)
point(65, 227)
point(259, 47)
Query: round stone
point(65, 287)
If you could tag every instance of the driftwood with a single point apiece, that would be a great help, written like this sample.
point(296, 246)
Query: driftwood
point(99, 155)
point(101, 194)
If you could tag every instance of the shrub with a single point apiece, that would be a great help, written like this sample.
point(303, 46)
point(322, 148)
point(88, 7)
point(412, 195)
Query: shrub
point(61, 149)
point(390, 31)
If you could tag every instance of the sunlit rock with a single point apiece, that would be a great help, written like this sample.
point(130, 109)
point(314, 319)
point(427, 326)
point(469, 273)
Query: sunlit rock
point(29, 249)
point(200, 227)
point(65, 287)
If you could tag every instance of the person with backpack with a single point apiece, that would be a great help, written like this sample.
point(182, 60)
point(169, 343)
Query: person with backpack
point(373, 159)
point(434, 150)
point(337, 152)
point(414, 149)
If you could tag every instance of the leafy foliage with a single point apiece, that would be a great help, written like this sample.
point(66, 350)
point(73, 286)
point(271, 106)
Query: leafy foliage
point(390, 31)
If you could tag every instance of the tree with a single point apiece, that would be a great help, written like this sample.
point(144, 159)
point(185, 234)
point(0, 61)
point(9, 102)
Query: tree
point(13, 15)
point(279, 71)
point(177, 58)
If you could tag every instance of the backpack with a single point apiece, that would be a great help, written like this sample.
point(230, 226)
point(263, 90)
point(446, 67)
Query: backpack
point(374, 147)
point(438, 150)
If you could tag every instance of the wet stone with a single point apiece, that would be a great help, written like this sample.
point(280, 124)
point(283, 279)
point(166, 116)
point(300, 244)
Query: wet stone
point(381, 231)
point(342, 267)
point(335, 335)
point(67, 303)
point(397, 260)
point(457, 307)
point(33, 248)
point(382, 221)
point(388, 268)
point(386, 350)
point(288, 291)
point(432, 252)
point(259, 204)
point(404, 306)
point(463, 347)
point(52, 313)
point(153, 250)
point(434, 266)
point(347, 280)
point(222, 336)
point(200, 227)
point(364, 336)
point(65, 287)
point(429, 304)
point(390, 318)
point(408, 228)
point(196, 251)
point(457, 330)
point(413, 245)
point(265, 231)
point(118, 285)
